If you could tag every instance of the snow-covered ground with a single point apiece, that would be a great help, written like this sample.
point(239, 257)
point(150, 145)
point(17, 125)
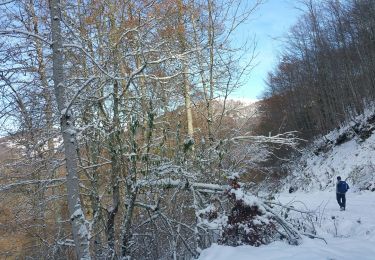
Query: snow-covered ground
point(349, 234)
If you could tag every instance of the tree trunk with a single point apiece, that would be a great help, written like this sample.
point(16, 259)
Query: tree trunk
point(211, 36)
point(185, 72)
point(77, 218)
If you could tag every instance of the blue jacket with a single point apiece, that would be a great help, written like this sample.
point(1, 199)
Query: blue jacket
point(342, 187)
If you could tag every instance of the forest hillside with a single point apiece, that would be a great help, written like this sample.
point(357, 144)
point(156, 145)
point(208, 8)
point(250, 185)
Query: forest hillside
point(121, 137)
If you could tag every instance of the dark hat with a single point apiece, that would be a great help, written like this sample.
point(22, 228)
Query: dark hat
point(338, 178)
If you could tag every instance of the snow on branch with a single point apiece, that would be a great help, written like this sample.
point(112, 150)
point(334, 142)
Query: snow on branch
point(7, 187)
point(249, 221)
point(171, 183)
point(84, 85)
point(270, 203)
point(288, 138)
point(293, 235)
point(66, 242)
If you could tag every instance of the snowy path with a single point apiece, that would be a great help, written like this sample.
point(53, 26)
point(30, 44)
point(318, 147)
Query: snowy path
point(353, 237)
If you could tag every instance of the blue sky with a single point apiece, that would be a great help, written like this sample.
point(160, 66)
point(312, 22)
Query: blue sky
point(269, 23)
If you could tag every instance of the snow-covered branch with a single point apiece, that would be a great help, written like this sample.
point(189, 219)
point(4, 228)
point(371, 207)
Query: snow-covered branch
point(171, 183)
point(7, 187)
point(287, 138)
point(83, 86)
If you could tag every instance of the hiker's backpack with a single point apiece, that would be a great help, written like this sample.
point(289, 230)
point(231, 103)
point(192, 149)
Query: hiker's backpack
point(342, 187)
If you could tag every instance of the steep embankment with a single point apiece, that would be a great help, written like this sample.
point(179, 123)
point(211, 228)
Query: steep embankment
point(348, 151)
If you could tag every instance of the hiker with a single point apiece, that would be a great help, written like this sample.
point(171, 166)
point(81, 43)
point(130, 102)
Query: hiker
point(341, 188)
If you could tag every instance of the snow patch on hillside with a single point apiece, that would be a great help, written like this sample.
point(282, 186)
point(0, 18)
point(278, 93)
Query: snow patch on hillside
point(348, 152)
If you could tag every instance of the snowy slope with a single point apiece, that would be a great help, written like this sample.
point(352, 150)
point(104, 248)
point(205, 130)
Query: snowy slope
point(348, 160)
point(350, 153)
point(349, 234)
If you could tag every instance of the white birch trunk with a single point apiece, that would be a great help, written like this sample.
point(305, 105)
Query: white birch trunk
point(185, 75)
